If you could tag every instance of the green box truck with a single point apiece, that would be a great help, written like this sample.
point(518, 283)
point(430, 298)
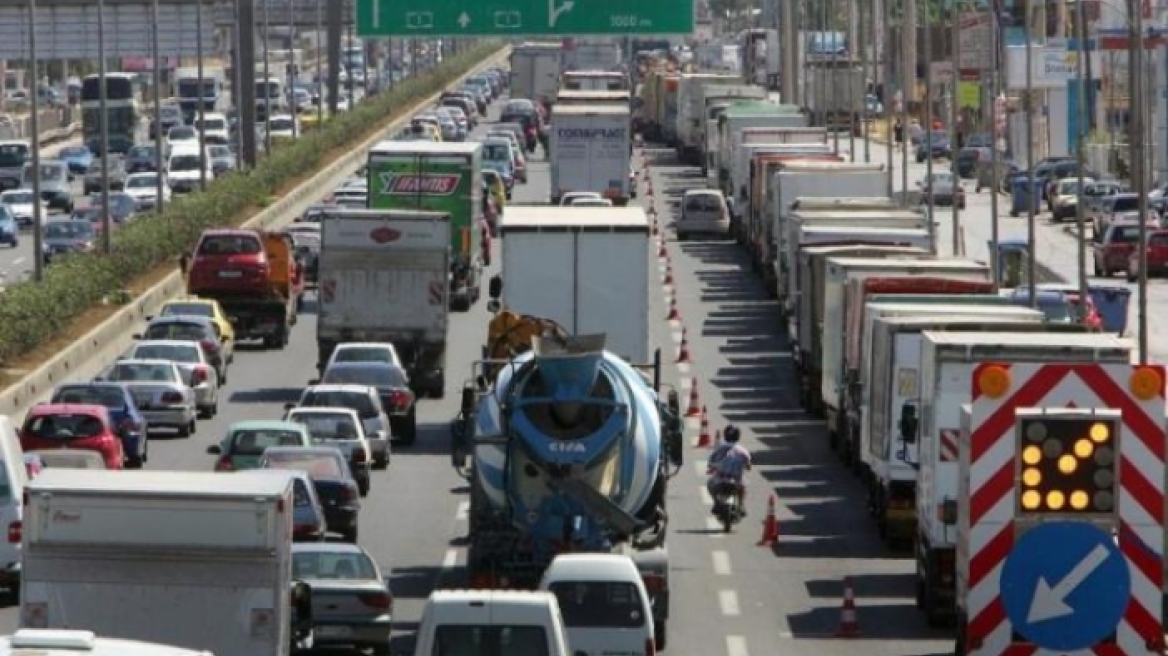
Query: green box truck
point(440, 177)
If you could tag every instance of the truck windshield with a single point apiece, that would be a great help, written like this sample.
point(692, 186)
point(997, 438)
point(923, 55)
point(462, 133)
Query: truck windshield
point(599, 604)
point(490, 640)
point(12, 155)
point(497, 152)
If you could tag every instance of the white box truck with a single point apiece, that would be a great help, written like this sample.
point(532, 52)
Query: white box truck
point(195, 560)
point(586, 268)
point(535, 71)
point(590, 55)
point(383, 278)
point(947, 362)
point(690, 109)
point(591, 151)
point(713, 100)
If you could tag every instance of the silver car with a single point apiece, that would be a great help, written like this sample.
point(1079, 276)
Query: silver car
point(366, 403)
point(197, 369)
point(160, 391)
point(351, 600)
point(703, 211)
point(341, 428)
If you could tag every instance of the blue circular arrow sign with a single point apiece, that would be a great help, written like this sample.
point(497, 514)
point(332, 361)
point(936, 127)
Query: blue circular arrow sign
point(1065, 586)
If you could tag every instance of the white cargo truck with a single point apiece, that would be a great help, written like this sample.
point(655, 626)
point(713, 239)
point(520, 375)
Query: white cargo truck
point(690, 110)
point(713, 100)
point(590, 55)
point(535, 71)
point(383, 278)
point(835, 93)
point(737, 130)
point(803, 180)
point(818, 236)
point(918, 276)
point(587, 268)
point(195, 560)
point(591, 151)
point(890, 379)
point(947, 363)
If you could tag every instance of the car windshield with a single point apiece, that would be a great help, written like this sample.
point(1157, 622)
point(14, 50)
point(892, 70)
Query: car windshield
point(49, 173)
point(280, 124)
point(363, 354)
point(182, 133)
point(14, 154)
point(497, 151)
point(701, 202)
point(64, 426)
point(599, 604)
point(1055, 309)
point(333, 565)
point(938, 137)
point(252, 442)
point(141, 372)
point(476, 639)
point(327, 425)
point(230, 245)
point(141, 152)
point(1125, 234)
point(220, 152)
point(212, 124)
point(109, 397)
point(942, 179)
point(68, 230)
point(184, 353)
point(1125, 204)
point(357, 401)
point(188, 310)
point(17, 198)
point(184, 163)
point(74, 151)
point(142, 182)
point(182, 332)
point(371, 376)
point(316, 466)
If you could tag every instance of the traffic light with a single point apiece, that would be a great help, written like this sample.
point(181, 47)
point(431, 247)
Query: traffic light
point(1068, 464)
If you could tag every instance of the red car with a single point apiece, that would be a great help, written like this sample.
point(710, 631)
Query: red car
point(72, 426)
point(1157, 256)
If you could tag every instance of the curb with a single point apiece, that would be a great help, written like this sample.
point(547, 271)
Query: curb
point(101, 347)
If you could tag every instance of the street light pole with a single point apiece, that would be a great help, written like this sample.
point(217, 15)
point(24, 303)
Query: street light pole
point(908, 83)
point(889, 108)
point(202, 132)
point(155, 55)
point(1080, 144)
point(955, 116)
point(1032, 200)
point(38, 243)
point(106, 228)
point(1139, 172)
point(931, 200)
point(267, 87)
point(851, 90)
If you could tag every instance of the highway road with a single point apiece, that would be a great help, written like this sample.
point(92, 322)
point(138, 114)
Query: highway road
point(729, 596)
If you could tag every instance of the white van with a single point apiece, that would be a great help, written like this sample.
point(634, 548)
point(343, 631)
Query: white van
point(184, 169)
point(13, 478)
point(476, 622)
point(55, 642)
point(605, 605)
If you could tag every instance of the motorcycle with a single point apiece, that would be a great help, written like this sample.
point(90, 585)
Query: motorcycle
point(728, 505)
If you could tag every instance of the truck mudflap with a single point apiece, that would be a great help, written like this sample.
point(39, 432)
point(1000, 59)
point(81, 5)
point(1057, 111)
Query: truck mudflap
point(936, 587)
point(896, 512)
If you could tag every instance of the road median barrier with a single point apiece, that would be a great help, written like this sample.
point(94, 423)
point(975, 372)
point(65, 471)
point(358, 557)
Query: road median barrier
point(105, 343)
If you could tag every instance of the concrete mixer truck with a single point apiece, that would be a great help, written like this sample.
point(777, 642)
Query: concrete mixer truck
point(567, 448)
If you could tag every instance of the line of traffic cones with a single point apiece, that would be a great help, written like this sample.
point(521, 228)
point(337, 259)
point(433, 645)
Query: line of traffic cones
point(705, 440)
point(674, 314)
point(683, 350)
point(695, 402)
point(770, 525)
point(668, 274)
point(849, 626)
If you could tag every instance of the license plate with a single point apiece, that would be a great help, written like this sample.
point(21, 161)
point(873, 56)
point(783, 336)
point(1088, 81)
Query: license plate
point(142, 401)
point(230, 274)
point(332, 631)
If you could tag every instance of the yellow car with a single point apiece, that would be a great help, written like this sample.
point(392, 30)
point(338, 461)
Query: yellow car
point(498, 189)
point(193, 306)
point(430, 128)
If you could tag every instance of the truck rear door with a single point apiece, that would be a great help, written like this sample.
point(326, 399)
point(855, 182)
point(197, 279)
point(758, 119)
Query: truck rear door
point(279, 255)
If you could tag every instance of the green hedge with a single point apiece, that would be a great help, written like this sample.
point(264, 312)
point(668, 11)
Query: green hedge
point(32, 313)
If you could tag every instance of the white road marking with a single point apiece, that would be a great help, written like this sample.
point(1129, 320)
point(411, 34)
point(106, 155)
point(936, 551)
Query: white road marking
point(463, 511)
point(721, 563)
point(728, 601)
point(707, 500)
point(450, 560)
point(17, 261)
point(674, 323)
point(736, 646)
point(683, 367)
point(676, 335)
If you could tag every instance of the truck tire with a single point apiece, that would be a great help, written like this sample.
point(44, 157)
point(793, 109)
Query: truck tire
point(409, 433)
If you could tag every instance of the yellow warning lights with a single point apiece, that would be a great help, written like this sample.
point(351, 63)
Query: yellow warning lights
point(1067, 464)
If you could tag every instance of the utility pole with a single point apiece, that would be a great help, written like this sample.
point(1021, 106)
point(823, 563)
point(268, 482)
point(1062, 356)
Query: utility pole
point(864, 70)
point(997, 118)
point(889, 108)
point(1080, 144)
point(931, 200)
point(1139, 164)
point(107, 228)
point(954, 118)
point(38, 235)
point(160, 180)
point(1032, 200)
point(908, 84)
point(202, 132)
point(853, 51)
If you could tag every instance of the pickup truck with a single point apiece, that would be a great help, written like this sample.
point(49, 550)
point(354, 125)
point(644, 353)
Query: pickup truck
point(254, 276)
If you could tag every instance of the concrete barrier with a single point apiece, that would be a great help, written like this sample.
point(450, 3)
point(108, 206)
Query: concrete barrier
point(55, 124)
point(102, 346)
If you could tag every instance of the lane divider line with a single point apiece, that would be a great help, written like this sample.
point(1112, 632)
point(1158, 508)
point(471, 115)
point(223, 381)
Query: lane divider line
point(721, 563)
point(736, 646)
point(728, 602)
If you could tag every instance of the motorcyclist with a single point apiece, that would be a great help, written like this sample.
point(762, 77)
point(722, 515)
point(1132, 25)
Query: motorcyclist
point(729, 463)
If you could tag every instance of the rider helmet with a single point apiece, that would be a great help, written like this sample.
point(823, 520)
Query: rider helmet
point(731, 434)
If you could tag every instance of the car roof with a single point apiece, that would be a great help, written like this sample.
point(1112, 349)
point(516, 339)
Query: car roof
point(182, 318)
point(67, 408)
point(592, 567)
point(325, 410)
point(328, 547)
point(168, 342)
point(330, 451)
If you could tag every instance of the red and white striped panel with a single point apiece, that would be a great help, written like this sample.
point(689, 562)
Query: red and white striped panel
point(992, 497)
point(947, 447)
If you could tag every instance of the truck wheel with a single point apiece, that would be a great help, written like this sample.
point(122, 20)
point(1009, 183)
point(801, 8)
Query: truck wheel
point(409, 433)
point(660, 636)
point(134, 462)
point(363, 486)
point(379, 649)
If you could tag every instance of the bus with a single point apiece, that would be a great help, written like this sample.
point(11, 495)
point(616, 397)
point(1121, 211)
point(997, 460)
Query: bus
point(123, 114)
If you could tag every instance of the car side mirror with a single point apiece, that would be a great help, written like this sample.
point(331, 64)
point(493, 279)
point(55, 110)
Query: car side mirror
point(495, 287)
point(289, 406)
point(214, 450)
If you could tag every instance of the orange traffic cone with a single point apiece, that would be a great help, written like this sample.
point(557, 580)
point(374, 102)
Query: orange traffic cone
point(695, 403)
point(849, 626)
point(770, 525)
point(661, 250)
point(649, 187)
point(674, 314)
point(668, 274)
point(683, 356)
point(704, 439)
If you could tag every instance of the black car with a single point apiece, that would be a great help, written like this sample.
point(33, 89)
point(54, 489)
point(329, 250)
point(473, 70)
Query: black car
point(936, 146)
point(123, 206)
point(967, 159)
point(306, 246)
point(329, 471)
point(190, 329)
point(392, 385)
point(143, 159)
point(63, 237)
point(117, 174)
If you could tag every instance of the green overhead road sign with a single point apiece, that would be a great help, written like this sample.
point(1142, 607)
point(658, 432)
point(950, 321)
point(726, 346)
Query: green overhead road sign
point(424, 18)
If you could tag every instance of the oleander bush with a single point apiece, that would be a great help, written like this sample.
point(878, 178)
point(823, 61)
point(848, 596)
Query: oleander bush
point(32, 313)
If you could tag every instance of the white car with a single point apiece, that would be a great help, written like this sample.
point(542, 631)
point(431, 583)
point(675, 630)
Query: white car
point(364, 352)
point(190, 358)
point(214, 128)
point(338, 427)
point(366, 403)
point(282, 126)
point(703, 211)
point(185, 169)
point(143, 188)
point(352, 193)
point(605, 604)
point(591, 202)
point(21, 202)
point(571, 197)
point(182, 134)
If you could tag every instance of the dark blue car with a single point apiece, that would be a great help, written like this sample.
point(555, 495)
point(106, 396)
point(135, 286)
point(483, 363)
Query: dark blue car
point(77, 157)
point(8, 228)
point(128, 421)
